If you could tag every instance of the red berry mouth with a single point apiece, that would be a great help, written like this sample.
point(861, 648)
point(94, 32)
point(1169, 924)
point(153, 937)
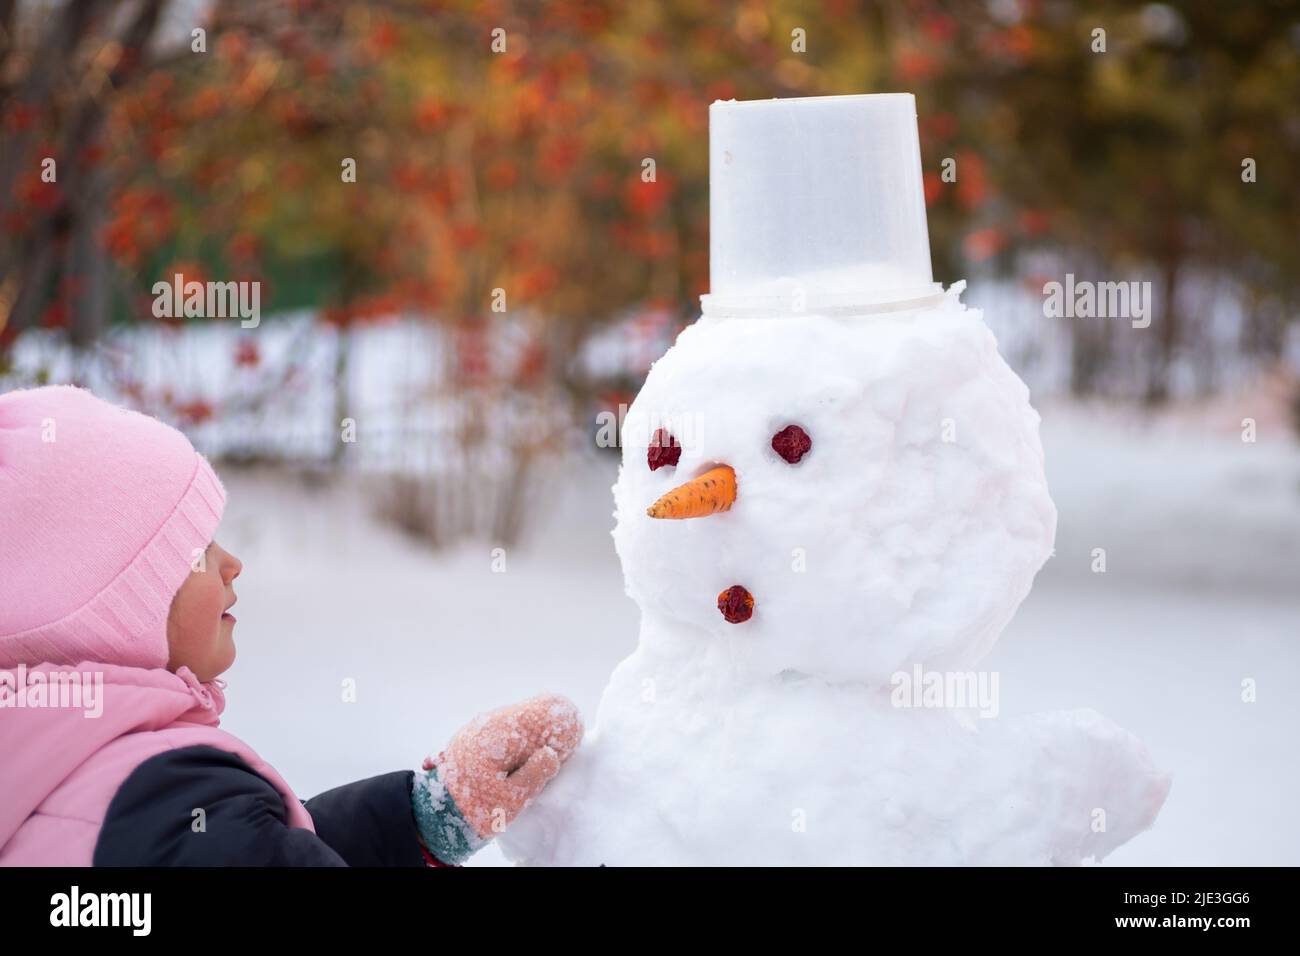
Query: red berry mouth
point(736, 604)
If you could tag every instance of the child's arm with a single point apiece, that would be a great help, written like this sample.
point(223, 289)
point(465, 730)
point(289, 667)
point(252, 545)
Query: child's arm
point(150, 819)
point(437, 815)
point(370, 822)
point(492, 768)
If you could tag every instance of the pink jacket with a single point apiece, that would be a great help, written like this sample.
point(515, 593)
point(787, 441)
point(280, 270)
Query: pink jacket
point(62, 767)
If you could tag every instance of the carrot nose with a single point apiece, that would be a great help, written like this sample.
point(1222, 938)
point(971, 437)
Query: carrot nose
point(711, 492)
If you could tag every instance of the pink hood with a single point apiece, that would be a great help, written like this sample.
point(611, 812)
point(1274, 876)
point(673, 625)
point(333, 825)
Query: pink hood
point(62, 767)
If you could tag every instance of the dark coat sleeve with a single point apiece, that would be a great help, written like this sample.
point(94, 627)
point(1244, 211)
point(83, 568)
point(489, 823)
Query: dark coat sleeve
point(151, 819)
point(370, 822)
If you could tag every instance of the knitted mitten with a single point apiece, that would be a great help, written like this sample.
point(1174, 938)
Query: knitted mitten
point(489, 772)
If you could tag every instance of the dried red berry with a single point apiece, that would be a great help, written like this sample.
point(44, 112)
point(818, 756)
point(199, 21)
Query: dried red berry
point(791, 443)
point(664, 450)
point(736, 604)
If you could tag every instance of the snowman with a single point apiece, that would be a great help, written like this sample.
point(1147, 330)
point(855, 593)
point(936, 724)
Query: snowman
point(832, 484)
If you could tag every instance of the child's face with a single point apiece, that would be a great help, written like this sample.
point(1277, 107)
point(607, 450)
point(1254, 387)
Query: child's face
point(200, 634)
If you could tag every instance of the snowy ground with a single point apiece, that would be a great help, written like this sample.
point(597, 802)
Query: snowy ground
point(1202, 590)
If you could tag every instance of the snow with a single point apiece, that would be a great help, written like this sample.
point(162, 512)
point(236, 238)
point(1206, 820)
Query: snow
point(905, 539)
point(717, 769)
point(912, 529)
point(1201, 592)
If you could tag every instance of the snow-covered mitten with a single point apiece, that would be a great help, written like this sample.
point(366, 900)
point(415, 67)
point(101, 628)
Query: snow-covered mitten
point(488, 773)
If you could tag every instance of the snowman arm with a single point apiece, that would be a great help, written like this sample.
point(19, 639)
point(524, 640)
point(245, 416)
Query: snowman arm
point(1096, 783)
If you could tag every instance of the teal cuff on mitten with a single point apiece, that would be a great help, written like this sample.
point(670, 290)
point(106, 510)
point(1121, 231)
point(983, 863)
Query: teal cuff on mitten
point(445, 832)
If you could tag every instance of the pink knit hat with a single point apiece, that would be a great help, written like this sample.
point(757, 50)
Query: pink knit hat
point(102, 511)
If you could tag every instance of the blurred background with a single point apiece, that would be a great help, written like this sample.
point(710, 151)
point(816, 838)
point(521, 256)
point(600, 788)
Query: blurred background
point(413, 434)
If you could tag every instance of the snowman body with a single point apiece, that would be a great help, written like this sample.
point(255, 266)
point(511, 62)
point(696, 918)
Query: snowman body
point(905, 537)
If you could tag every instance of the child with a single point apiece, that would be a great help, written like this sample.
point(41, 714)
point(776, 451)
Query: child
point(112, 587)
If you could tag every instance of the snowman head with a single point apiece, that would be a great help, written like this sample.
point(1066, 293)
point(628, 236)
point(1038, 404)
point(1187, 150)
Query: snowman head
point(888, 507)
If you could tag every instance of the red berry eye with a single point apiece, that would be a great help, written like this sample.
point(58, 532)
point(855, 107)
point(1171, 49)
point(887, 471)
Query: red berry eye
point(663, 450)
point(791, 443)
